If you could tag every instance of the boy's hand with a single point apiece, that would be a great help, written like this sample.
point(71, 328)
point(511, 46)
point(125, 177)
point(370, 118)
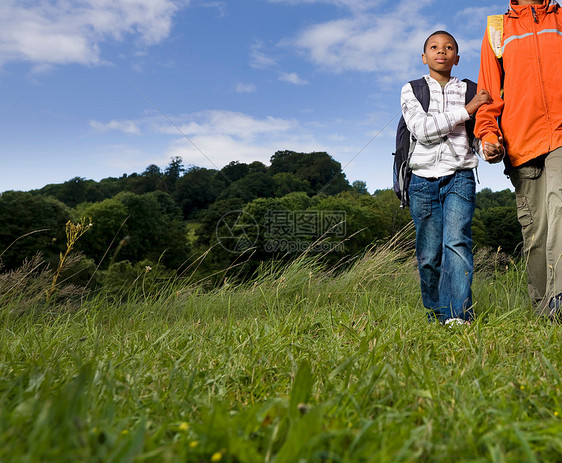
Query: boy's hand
point(493, 152)
point(481, 98)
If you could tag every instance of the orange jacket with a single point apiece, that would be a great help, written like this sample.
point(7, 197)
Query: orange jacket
point(531, 107)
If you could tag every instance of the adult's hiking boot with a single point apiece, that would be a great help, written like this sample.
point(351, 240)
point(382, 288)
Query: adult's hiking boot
point(555, 309)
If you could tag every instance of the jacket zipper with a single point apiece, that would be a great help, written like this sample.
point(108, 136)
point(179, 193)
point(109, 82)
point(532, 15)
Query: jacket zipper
point(534, 15)
point(541, 80)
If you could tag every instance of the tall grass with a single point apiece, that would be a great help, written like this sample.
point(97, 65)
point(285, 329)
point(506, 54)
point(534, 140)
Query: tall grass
point(303, 363)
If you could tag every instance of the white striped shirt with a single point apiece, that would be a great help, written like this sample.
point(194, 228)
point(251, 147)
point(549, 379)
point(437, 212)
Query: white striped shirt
point(441, 145)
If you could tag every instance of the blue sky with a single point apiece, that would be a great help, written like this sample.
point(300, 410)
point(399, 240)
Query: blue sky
point(99, 88)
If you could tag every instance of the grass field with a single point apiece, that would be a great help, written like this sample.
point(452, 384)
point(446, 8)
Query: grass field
point(299, 365)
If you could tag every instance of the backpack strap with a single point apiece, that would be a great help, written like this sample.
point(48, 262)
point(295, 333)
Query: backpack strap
point(471, 89)
point(420, 88)
point(421, 91)
point(401, 165)
point(495, 33)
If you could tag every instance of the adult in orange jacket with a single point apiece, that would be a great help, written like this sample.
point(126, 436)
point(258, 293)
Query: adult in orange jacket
point(523, 74)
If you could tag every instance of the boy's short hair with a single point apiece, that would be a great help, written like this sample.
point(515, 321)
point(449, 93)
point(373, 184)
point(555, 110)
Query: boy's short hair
point(439, 33)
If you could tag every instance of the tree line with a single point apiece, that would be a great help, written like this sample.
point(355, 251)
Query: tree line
point(193, 219)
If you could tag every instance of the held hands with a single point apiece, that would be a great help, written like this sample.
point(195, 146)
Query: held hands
point(493, 152)
point(481, 98)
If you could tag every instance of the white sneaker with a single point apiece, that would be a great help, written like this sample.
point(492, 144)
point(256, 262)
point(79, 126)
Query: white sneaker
point(456, 322)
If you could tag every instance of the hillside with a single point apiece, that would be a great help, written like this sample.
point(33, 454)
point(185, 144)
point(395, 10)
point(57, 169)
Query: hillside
point(303, 363)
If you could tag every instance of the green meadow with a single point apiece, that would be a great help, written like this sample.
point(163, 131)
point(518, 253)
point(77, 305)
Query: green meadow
point(302, 363)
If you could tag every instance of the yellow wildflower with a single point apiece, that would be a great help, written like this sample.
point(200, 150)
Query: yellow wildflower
point(193, 444)
point(217, 456)
point(183, 426)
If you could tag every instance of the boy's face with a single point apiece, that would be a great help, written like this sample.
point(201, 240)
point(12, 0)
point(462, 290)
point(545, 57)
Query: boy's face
point(440, 54)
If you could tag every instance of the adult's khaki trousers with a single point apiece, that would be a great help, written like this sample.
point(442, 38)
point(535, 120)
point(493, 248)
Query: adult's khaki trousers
point(538, 190)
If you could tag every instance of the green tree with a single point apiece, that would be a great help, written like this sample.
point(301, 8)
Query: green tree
point(171, 175)
point(323, 173)
point(168, 206)
point(486, 198)
point(360, 187)
point(396, 218)
point(197, 189)
point(109, 228)
point(152, 233)
point(501, 228)
point(344, 224)
point(74, 191)
point(221, 241)
point(234, 171)
point(495, 221)
point(286, 161)
point(136, 227)
point(364, 222)
point(285, 183)
point(257, 166)
point(211, 219)
point(250, 187)
point(109, 187)
point(146, 182)
point(31, 223)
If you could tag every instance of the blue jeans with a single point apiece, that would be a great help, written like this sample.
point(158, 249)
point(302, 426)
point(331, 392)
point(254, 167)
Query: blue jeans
point(442, 209)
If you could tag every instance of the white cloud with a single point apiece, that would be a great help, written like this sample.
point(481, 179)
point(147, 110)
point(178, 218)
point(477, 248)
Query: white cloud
point(292, 78)
point(121, 126)
point(237, 125)
point(220, 6)
point(232, 124)
point(336, 137)
point(215, 151)
point(214, 138)
point(475, 17)
point(259, 59)
point(472, 20)
point(61, 32)
point(388, 44)
point(245, 88)
point(129, 158)
point(355, 5)
point(384, 37)
point(380, 36)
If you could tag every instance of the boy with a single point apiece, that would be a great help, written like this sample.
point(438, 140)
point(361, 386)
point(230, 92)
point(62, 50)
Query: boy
point(442, 189)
